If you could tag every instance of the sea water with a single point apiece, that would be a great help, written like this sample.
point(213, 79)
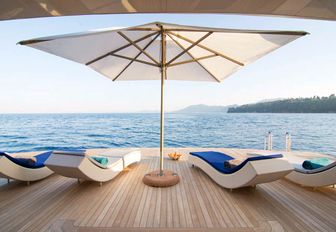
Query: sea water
point(38, 132)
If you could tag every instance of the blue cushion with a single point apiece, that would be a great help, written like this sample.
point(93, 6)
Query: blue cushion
point(217, 159)
point(316, 163)
point(100, 159)
point(41, 158)
point(27, 163)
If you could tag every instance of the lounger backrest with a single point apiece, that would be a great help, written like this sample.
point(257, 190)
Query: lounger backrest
point(40, 159)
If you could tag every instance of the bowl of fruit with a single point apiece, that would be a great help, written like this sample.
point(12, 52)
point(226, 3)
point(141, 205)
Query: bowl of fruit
point(174, 156)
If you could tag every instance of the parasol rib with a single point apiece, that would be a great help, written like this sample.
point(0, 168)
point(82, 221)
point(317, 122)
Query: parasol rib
point(180, 45)
point(193, 60)
point(121, 48)
point(139, 48)
point(135, 58)
point(208, 49)
point(190, 47)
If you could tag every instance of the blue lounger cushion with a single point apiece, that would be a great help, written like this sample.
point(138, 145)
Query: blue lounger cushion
point(28, 162)
point(217, 159)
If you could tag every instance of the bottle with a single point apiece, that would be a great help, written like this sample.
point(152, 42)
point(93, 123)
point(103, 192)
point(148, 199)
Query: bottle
point(288, 142)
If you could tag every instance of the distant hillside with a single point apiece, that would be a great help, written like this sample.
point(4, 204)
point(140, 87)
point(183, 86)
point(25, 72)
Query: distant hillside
point(269, 100)
point(293, 105)
point(203, 109)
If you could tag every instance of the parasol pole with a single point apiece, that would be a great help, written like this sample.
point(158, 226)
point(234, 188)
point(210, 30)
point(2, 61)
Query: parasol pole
point(163, 77)
point(162, 178)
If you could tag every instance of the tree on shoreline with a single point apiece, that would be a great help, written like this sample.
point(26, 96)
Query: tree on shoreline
point(314, 104)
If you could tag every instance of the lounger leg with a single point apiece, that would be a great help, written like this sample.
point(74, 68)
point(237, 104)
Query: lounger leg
point(78, 181)
point(28, 183)
point(231, 190)
point(8, 180)
point(100, 184)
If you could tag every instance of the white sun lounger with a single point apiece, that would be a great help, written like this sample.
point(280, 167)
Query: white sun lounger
point(252, 171)
point(15, 168)
point(324, 176)
point(83, 167)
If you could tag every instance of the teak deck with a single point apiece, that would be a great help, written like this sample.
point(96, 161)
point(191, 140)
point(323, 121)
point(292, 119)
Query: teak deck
point(195, 204)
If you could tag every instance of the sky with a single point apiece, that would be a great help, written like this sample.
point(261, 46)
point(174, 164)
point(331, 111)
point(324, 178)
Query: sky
point(32, 81)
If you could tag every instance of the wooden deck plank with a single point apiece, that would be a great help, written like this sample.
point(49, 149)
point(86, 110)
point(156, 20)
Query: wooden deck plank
point(195, 203)
point(198, 199)
point(220, 211)
point(128, 218)
point(176, 214)
point(170, 208)
point(196, 217)
point(184, 196)
point(80, 209)
point(35, 208)
point(142, 200)
point(290, 219)
point(117, 202)
point(99, 202)
point(163, 209)
point(210, 202)
point(129, 195)
point(299, 209)
point(34, 204)
point(62, 202)
point(77, 206)
point(148, 218)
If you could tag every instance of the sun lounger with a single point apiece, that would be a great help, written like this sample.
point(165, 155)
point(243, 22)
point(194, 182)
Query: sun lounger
point(318, 177)
point(77, 164)
point(24, 168)
point(250, 172)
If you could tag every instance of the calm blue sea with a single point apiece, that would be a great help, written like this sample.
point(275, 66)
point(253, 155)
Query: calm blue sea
point(37, 132)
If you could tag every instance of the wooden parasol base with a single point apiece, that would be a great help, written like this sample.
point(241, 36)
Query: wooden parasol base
point(169, 178)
